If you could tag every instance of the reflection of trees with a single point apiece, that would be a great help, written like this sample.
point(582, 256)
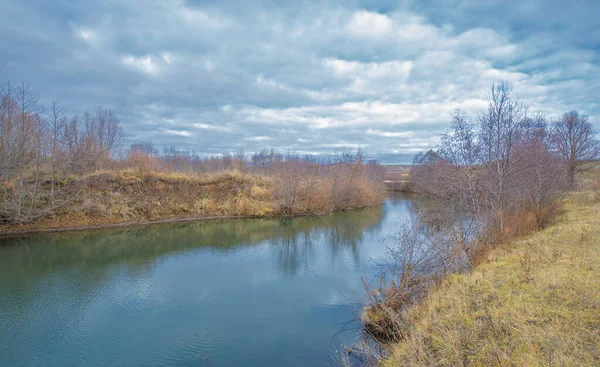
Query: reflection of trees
point(338, 232)
point(295, 247)
point(134, 246)
point(25, 259)
point(68, 269)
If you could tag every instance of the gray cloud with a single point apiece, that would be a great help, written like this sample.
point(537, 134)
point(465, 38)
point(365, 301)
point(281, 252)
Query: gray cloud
point(216, 76)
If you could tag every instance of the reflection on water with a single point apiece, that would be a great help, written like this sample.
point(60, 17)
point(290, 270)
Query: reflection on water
point(242, 292)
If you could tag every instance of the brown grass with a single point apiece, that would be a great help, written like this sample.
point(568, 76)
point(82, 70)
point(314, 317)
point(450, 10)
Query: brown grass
point(534, 302)
point(138, 195)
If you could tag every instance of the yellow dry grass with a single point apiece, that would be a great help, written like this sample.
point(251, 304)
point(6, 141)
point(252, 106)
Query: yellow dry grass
point(106, 197)
point(134, 175)
point(536, 302)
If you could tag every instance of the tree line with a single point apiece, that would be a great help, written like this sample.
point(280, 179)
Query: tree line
point(46, 156)
point(507, 161)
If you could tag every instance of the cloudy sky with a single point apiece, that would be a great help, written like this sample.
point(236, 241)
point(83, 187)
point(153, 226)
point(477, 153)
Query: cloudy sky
point(311, 76)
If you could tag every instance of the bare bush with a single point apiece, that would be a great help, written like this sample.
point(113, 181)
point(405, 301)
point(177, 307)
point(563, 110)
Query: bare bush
point(302, 185)
point(420, 259)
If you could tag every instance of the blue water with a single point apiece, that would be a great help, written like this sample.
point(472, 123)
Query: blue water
point(252, 292)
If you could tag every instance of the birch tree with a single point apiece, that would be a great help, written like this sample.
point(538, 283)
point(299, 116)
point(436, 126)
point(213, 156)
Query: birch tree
point(501, 126)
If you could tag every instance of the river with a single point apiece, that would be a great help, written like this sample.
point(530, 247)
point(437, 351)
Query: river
point(245, 292)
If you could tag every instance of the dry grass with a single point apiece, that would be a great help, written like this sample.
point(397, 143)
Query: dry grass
point(121, 196)
point(134, 195)
point(152, 195)
point(134, 175)
point(535, 302)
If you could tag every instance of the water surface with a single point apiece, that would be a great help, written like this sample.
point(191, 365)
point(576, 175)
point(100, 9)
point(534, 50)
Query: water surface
point(249, 292)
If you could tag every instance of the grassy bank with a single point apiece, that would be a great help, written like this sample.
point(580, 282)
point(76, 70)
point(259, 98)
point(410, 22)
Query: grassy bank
point(104, 198)
point(535, 302)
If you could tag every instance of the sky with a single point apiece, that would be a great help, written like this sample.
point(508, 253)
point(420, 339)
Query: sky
point(312, 77)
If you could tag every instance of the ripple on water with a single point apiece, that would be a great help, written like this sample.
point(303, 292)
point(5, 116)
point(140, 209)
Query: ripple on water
point(244, 293)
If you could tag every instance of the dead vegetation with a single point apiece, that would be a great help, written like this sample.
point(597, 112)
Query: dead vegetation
point(497, 185)
point(529, 297)
point(59, 171)
point(117, 196)
point(534, 302)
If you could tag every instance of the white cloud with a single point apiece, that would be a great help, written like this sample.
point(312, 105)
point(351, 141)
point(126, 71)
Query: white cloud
point(344, 145)
point(369, 24)
point(391, 134)
point(370, 69)
point(359, 114)
point(201, 18)
point(414, 28)
point(177, 132)
point(87, 35)
point(144, 63)
point(258, 138)
point(167, 57)
point(204, 126)
point(269, 83)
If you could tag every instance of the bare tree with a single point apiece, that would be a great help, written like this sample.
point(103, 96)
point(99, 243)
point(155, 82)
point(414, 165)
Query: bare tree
point(27, 138)
point(498, 168)
point(454, 175)
point(96, 138)
point(144, 147)
point(501, 126)
point(72, 144)
point(461, 146)
point(430, 156)
point(7, 131)
point(108, 131)
point(57, 121)
point(573, 139)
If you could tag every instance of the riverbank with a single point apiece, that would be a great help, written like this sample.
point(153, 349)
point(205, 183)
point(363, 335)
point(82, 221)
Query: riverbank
point(397, 178)
point(129, 197)
point(536, 301)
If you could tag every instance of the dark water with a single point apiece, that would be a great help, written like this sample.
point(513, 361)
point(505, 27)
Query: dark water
point(216, 293)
